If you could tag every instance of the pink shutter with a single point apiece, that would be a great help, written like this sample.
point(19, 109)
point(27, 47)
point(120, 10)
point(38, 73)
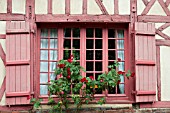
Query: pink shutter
point(17, 63)
point(145, 58)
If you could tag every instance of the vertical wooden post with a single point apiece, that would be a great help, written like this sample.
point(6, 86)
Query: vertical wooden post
point(49, 6)
point(9, 6)
point(116, 7)
point(84, 6)
point(67, 7)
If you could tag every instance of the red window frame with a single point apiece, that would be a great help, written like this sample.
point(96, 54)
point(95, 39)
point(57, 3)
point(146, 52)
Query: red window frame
point(83, 27)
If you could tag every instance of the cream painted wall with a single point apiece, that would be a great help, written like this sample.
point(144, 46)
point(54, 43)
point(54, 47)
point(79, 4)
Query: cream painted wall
point(18, 6)
point(40, 6)
point(124, 7)
point(3, 6)
point(76, 6)
point(92, 7)
point(58, 6)
point(109, 4)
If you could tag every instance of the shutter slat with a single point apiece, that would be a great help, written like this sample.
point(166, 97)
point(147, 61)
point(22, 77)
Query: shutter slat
point(18, 63)
point(145, 57)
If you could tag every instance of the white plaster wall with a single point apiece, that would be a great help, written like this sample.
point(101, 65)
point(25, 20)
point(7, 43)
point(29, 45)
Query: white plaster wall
point(167, 31)
point(109, 5)
point(58, 6)
point(41, 6)
point(157, 25)
point(93, 8)
point(124, 7)
point(2, 27)
point(140, 7)
point(18, 6)
point(76, 6)
point(165, 73)
point(3, 6)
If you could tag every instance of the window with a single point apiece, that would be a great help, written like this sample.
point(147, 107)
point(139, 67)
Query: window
point(93, 47)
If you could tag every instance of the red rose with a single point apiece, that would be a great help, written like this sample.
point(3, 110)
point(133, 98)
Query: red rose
point(118, 82)
point(91, 77)
point(101, 80)
point(69, 60)
point(84, 80)
point(118, 59)
point(119, 72)
point(62, 92)
point(60, 75)
point(68, 77)
point(28, 97)
point(123, 73)
point(132, 74)
point(71, 57)
point(61, 65)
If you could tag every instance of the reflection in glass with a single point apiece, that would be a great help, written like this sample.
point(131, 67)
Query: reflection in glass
point(112, 55)
point(89, 44)
point(67, 43)
point(98, 33)
point(89, 32)
point(67, 32)
point(53, 33)
point(89, 55)
point(76, 32)
point(98, 66)
point(76, 54)
point(111, 44)
point(76, 43)
point(89, 66)
point(120, 33)
point(98, 55)
point(44, 33)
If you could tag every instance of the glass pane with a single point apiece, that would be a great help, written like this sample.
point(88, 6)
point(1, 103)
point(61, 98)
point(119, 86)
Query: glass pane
point(76, 54)
point(111, 33)
point(44, 43)
point(67, 32)
point(89, 66)
point(98, 91)
point(76, 43)
point(98, 44)
point(53, 33)
point(120, 33)
point(121, 66)
point(98, 33)
point(121, 86)
point(67, 44)
point(52, 66)
point(120, 54)
point(44, 55)
point(111, 63)
point(52, 76)
point(43, 77)
point(43, 66)
point(89, 44)
point(89, 55)
point(98, 54)
point(89, 32)
point(53, 55)
point(112, 55)
point(67, 54)
point(120, 44)
point(43, 89)
point(76, 32)
point(44, 33)
point(53, 43)
point(111, 44)
point(112, 90)
point(98, 66)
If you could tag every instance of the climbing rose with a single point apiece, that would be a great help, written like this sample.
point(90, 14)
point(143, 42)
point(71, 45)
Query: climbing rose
point(118, 59)
point(61, 65)
point(132, 74)
point(68, 77)
point(91, 77)
point(28, 97)
point(69, 60)
point(84, 80)
point(119, 72)
point(68, 71)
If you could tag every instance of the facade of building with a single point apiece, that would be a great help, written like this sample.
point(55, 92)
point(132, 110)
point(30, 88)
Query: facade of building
point(35, 34)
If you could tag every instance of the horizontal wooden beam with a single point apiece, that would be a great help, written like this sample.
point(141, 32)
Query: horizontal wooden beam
point(145, 62)
point(17, 94)
point(3, 36)
point(153, 18)
point(138, 93)
point(12, 17)
point(137, 32)
point(17, 31)
point(23, 62)
point(157, 104)
point(2, 54)
point(161, 42)
point(82, 18)
point(2, 88)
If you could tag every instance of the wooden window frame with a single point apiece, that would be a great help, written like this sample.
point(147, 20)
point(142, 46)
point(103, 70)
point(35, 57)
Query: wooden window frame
point(112, 98)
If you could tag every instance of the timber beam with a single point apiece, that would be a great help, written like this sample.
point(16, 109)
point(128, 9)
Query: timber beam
point(161, 42)
point(83, 18)
point(2, 55)
point(2, 88)
point(154, 18)
point(12, 17)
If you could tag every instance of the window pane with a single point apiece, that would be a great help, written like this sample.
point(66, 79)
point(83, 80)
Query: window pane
point(44, 55)
point(53, 55)
point(121, 66)
point(52, 76)
point(44, 33)
point(98, 54)
point(98, 91)
point(76, 32)
point(76, 43)
point(43, 89)
point(43, 77)
point(67, 54)
point(89, 44)
point(89, 32)
point(89, 55)
point(121, 86)
point(111, 33)
point(67, 44)
point(120, 33)
point(52, 66)
point(89, 66)
point(43, 66)
point(112, 55)
point(111, 44)
point(120, 54)
point(112, 90)
point(53, 43)
point(67, 32)
point(53, 33)
point(120, 44)
point(44, 43)
point(98, 66)
point(76, 54)
point(98, 44)
point(98, 33)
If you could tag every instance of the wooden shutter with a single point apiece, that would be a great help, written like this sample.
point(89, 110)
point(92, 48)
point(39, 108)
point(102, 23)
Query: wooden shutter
point(145, 59)
point(18, 63)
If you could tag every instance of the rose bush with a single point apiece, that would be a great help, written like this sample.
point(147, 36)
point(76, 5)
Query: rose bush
point(71, 87)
